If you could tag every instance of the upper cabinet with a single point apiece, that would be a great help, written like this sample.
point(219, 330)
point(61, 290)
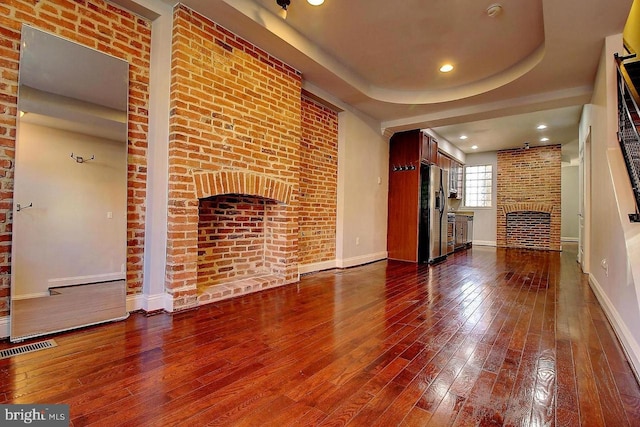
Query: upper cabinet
point(429, 151)
point(455, 180)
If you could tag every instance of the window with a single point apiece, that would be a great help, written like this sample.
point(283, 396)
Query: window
point(478, 181)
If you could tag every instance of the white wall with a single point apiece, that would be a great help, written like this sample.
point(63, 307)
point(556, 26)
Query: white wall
point(363, 177)
point(569, 221)
point(614, 245)
point(154, 296)
point(484, 219)
point(76, 230)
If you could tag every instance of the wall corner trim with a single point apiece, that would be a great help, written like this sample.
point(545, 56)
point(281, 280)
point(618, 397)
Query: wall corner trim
point(146, 302)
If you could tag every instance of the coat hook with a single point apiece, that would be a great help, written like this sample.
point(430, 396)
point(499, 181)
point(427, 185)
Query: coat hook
point(80, 159)
point(19, 207)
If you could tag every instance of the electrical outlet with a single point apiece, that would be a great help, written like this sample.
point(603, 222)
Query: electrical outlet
point(357, 241)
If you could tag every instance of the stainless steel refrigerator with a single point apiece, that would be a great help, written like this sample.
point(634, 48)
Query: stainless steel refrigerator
point(432, 238)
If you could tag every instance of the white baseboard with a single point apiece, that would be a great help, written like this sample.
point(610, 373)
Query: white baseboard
point(29, 296)
point(147, 302)
point(316, 266)
point(362, 259)
point(168, 303)
point(134, 302)
point(484, 243)
point(81, 280)
point(4, 327)
point(629, 345)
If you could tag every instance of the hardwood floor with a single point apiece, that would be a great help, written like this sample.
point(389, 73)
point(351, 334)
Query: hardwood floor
point(67, 307)
point(491, 337)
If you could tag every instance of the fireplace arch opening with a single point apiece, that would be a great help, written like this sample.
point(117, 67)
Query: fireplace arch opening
point(238, 249)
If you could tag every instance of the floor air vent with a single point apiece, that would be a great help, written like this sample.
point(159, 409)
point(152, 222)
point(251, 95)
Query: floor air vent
point(27, 348)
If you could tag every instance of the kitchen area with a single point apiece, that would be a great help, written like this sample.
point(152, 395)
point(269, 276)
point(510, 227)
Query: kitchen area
point(425, 193)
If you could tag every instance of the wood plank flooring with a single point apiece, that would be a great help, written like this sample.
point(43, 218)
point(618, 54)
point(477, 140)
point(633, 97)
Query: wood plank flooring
point(491, 337)
point(67, 307)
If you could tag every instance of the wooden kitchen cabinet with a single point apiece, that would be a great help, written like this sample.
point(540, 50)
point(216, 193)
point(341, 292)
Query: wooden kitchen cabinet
point(429, 149)
point(405, 154)
point(433, 151)
point(444, 162)
point(407, 151)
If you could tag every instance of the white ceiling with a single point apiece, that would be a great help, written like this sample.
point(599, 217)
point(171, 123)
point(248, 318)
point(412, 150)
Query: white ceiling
point(535, 62)
point(68, 86)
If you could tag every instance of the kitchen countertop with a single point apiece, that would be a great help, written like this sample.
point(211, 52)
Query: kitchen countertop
point(462, 213)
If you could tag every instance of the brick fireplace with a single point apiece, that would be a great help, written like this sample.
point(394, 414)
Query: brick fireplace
point(241, 234)
point(529, 198)
point(528, 225)
point(234, 165)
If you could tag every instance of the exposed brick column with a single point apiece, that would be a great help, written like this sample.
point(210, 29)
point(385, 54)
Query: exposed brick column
point(529, 180)
point(318, 183)
point(233, 108)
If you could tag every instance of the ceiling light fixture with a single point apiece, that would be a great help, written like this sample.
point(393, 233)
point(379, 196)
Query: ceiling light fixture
point(315, 2)
point(284, 4)
point(474, 147)
point(463, 137)
point(446, 68)
point(545, 139)
point(541, 127)
point(494, 10)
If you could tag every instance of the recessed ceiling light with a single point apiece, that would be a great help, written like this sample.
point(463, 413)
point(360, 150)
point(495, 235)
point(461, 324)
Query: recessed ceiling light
point(474, 147)
point(494, 10)
point(541, 127)
point(463, 137)
point(545, 139)
point(315, 2)
point(446, 68)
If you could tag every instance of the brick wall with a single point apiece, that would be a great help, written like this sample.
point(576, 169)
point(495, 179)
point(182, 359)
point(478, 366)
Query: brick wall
point(107, 28)
point(231, 236)
point(529, 180)
point(318, 183)
point(529, 230)
point(233, 107)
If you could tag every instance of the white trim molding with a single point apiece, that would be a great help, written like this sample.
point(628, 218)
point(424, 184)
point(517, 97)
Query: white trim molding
point(4, 326)
point(316, 266)
point(29, 296)
point(83, 280)
point(629, 345)
point(484, 243)
point(168, 303)
point(147, 302)
point(360, 260)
